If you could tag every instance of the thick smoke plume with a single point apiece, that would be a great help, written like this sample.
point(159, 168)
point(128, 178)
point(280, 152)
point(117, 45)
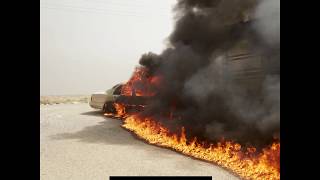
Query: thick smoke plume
point(198, 85)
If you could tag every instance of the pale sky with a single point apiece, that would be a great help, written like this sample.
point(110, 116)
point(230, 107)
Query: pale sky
point(91, 45)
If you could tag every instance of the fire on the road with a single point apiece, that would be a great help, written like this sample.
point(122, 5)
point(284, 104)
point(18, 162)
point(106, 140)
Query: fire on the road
point(246, 163)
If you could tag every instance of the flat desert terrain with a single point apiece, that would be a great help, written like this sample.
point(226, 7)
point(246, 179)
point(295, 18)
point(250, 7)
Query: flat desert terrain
point(48, 100)
point(77, 142)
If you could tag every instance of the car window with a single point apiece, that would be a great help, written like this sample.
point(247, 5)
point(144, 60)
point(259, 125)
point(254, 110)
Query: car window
point(117, 91)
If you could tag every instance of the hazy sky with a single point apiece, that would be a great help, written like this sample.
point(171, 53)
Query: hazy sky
point(90, 45)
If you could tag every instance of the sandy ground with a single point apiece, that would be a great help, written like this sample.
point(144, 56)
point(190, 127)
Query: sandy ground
point(48, 100)
point(77, 142)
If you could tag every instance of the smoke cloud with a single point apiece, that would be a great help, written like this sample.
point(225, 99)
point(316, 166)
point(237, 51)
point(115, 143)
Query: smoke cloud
point(268, 20)
point(207, 95)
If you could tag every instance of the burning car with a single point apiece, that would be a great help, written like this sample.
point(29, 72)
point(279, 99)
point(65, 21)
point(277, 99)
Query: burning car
point(106, 101)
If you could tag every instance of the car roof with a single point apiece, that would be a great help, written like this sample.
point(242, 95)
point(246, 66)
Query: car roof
point(117, 85)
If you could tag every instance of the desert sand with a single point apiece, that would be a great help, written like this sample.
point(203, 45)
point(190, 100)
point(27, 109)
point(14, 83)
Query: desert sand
point(48, 100)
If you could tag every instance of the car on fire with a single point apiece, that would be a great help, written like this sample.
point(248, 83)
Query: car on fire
point(105, 100)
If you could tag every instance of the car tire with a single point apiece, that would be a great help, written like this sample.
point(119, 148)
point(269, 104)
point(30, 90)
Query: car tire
point(109, 108)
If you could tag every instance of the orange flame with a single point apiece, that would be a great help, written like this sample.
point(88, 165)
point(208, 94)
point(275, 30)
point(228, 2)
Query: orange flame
point(248, 164)
point(120, 111)
point(140, 84)
point(230, 155)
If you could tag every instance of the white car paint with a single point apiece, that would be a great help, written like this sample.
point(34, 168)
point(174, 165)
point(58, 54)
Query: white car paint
point(98, 99)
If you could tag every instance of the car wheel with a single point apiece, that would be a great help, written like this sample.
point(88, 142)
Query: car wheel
point(109, 108)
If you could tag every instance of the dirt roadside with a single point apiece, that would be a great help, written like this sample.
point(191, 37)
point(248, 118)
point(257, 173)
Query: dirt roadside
point(49, 100)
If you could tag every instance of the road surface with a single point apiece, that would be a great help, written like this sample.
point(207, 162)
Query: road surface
point(77, 142)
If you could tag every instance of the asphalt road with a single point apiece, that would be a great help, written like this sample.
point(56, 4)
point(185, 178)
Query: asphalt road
point(77, 142)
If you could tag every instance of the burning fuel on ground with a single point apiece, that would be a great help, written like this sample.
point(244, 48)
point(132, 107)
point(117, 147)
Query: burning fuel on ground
point(214, 93)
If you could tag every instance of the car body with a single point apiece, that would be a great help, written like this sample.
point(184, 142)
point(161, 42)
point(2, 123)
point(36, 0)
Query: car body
point(103, 100)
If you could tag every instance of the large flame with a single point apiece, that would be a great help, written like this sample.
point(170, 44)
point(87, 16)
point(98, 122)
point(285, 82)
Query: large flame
point(227, 154)
point(140, 84)
point(247, 163)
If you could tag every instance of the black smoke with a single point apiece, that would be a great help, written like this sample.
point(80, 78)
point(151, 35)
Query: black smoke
point(207, 98)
